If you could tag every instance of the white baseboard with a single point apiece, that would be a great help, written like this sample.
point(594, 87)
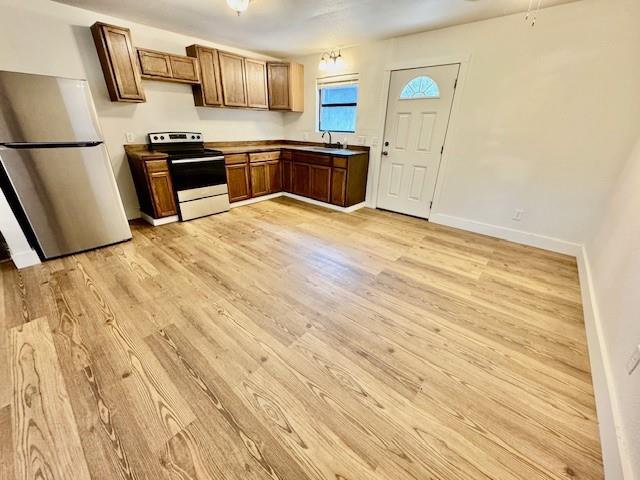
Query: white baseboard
point(350, 209)
point(510, 234)
point(263, 198)
point(25, 259)
point(156, 222)
point(250, 201)
point(616, 460)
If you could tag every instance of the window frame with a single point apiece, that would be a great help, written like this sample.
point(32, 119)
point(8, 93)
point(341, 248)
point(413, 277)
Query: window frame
point(326, 83)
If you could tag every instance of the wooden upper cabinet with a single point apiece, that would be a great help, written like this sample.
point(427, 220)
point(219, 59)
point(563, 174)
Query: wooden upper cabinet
point(156, 65)
point(256, 81)
point(209, 92)
point(232, 76)
point(119, 64)
point(185, 68)
point(286, 86)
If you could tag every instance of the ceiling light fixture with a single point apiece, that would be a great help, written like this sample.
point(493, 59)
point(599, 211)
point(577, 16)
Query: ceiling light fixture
point(532, 13)
point(239, 5)
point(328, 58)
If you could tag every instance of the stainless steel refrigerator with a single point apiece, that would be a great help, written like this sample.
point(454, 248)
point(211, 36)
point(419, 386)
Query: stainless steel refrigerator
point(56, 171)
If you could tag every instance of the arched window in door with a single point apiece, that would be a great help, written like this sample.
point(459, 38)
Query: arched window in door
point(420, 87)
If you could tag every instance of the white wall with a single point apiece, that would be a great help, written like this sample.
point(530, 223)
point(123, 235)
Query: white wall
point(41, 36)
point(543, 120)
point(613, 259)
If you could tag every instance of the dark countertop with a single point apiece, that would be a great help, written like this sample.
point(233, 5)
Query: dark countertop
point(229, 148)
point(335, 152)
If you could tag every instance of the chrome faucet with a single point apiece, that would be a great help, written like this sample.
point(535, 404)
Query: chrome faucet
point(324, 133)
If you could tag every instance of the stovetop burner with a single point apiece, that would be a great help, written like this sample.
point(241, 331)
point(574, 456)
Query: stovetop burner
point(180, 145)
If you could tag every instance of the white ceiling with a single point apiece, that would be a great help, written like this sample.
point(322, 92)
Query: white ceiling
point(287, 27)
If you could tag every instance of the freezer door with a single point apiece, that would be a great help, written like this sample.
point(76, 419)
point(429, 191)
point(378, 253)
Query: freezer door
point(69, 196)
point(43, 109)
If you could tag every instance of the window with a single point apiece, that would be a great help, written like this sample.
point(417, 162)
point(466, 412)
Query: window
point(338, 103)
point(420, 87)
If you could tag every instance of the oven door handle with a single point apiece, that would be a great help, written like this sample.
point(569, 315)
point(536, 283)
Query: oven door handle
point(197, 160)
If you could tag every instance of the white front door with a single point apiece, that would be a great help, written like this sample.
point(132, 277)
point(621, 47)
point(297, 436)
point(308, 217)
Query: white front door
point(418, 111)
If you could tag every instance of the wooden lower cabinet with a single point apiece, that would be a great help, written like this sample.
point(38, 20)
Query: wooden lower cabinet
point(319, 182)
point(286, 176)
point(339, 186)
point(300, 178)
point(161, 188)
point(340, 181)
point(259, 179)
point(238, 182)
point(274, 176)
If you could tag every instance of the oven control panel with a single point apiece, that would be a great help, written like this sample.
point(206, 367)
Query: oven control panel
point(174, 137)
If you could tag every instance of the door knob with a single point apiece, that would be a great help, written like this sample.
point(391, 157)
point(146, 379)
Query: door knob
point(385, 153)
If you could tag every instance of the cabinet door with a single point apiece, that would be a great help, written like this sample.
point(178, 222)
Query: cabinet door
point(238, 182)
point(286, 176)
point(259, 179)
point(209, 92)
point(256, 76)
point(320, 182)
point(300, 178)
point(185, 68)
point(279, 86)
point(155, 64)
point(234, 93)
point(164, 202)
point(274, 176)
point(339, 186)
point(119, 64)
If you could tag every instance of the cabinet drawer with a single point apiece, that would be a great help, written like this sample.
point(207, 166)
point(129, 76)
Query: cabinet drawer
point(236, 158)
point(154, 166)
point(264, 156)
point(340, 162)
point(313, 158)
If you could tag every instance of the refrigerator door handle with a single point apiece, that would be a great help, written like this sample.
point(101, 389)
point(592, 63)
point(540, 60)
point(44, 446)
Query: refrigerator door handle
point(27, 146)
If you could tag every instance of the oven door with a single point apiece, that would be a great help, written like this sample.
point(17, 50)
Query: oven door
point(190, 173)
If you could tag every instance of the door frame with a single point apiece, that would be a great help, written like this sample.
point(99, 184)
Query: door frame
point(464, 60)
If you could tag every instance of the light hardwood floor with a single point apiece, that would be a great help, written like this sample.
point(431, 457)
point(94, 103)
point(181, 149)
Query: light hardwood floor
point(285, 341)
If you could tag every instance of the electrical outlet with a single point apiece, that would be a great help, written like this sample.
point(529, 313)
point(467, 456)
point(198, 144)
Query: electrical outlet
point(374, 142)
point(130, 137)
point(517, 216)
point(305, 136)
point(634, 361)
point(361, 140)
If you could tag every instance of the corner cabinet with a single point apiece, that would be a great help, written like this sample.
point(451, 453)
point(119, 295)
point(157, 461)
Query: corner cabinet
point(119, 64)
point(286, 86)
